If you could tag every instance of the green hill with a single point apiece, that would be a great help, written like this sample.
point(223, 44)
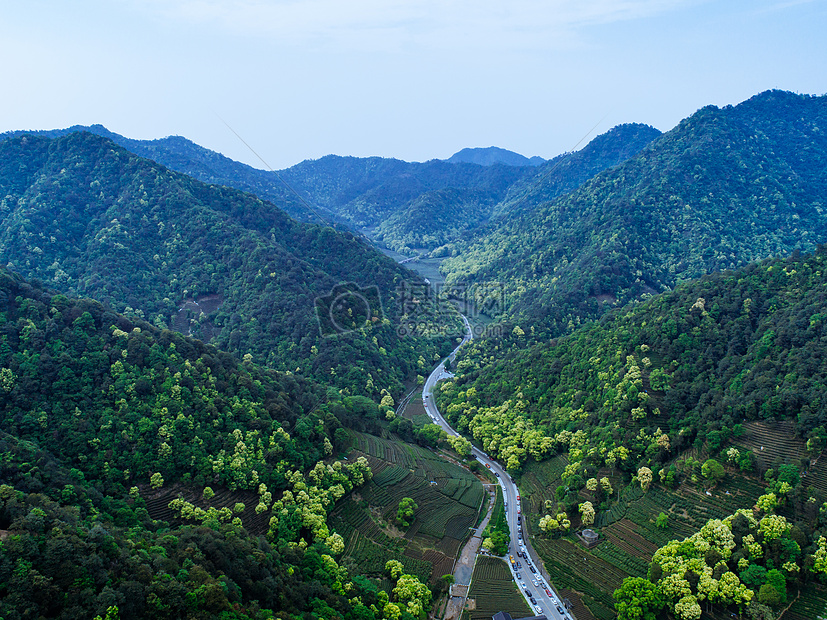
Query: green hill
point(723, 188)
point(729, 348)
point(686, 407)
point(403, 205)
point(90, 218)
point(106, 419)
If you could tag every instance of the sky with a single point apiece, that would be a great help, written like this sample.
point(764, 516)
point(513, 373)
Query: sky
point(411, 79)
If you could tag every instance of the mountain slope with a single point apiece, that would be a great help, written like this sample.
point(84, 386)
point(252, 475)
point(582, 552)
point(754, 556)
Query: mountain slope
point(142, 469)
point(93, 219)
point(567, 172)
point(725, 187)
point(366, 193)
point(729, 348)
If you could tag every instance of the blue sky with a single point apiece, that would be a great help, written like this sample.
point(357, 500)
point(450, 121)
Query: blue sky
point(412, 79)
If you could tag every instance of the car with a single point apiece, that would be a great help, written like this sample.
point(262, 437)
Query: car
point(522, 585)
point(533, 570)
point(518, 510)
point(548, 592)
point(527, 591)
point(519, 576)
point(534, 583)
point(538, 609)
point(560, 610)
point(533, 600)
point(497, 474)
point(518, 498)
point(488, 465)
point(519, 564)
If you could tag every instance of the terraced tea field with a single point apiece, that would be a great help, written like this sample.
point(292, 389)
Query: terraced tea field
point(628, 533)
point(772, 442)
point(492, 590)
point(448, 499)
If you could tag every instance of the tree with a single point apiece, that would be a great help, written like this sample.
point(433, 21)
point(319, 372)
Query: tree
point(112, 613)
point(587, 513)
point(637, 599)
point(776, 579)
point(767, 502)
point(606, 485)
point(662, 521)
point(688, 608)
point(644, 475)
point(405, 512)
point(768, 595)
point(460, 445)
point(712, 470)
point(394, 568)
point(156, 481)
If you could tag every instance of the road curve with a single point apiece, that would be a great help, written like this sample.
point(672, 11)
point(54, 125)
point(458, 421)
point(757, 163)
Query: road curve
point(548, 602)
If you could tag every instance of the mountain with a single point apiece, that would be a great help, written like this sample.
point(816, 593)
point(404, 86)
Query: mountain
point(567, 172)
point(699, 404)
point(493, 155)
point(451, 217)
point(87, 216)
point(147, 472)
point(730, 347)
point(723, 188)
point(357, 192)
point(404, 206)
point(182, 155)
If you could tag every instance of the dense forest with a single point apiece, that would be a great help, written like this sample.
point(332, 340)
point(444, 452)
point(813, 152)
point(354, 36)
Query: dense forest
point(724, 188)
point(694, 362)
point(88, 217)
point(101, 412)
point(406, 206)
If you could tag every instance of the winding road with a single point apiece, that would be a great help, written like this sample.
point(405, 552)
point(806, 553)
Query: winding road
point(526, 565)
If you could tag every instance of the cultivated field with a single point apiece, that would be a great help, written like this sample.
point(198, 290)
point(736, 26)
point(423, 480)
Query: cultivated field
point(448, 499)
point(493, 589)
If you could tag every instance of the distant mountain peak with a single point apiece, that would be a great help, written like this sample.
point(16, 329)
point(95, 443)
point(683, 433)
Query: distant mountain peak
point(488, 156)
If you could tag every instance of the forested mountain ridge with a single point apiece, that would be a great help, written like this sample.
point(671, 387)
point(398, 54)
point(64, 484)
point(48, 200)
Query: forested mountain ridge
point(182, 155)
point(445, 220)
point(725, 187)
point(567, 172)
point(356, 191)
point(403, 205)
point(85, 215)
point(103, 415)
point(731, 347)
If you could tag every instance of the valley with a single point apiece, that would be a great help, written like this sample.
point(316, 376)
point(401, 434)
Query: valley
point(227, 392)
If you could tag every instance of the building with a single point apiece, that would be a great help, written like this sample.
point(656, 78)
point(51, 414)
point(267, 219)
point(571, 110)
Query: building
point(589, 538)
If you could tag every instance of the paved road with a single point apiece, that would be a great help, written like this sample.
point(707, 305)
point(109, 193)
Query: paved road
point(548, 602)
